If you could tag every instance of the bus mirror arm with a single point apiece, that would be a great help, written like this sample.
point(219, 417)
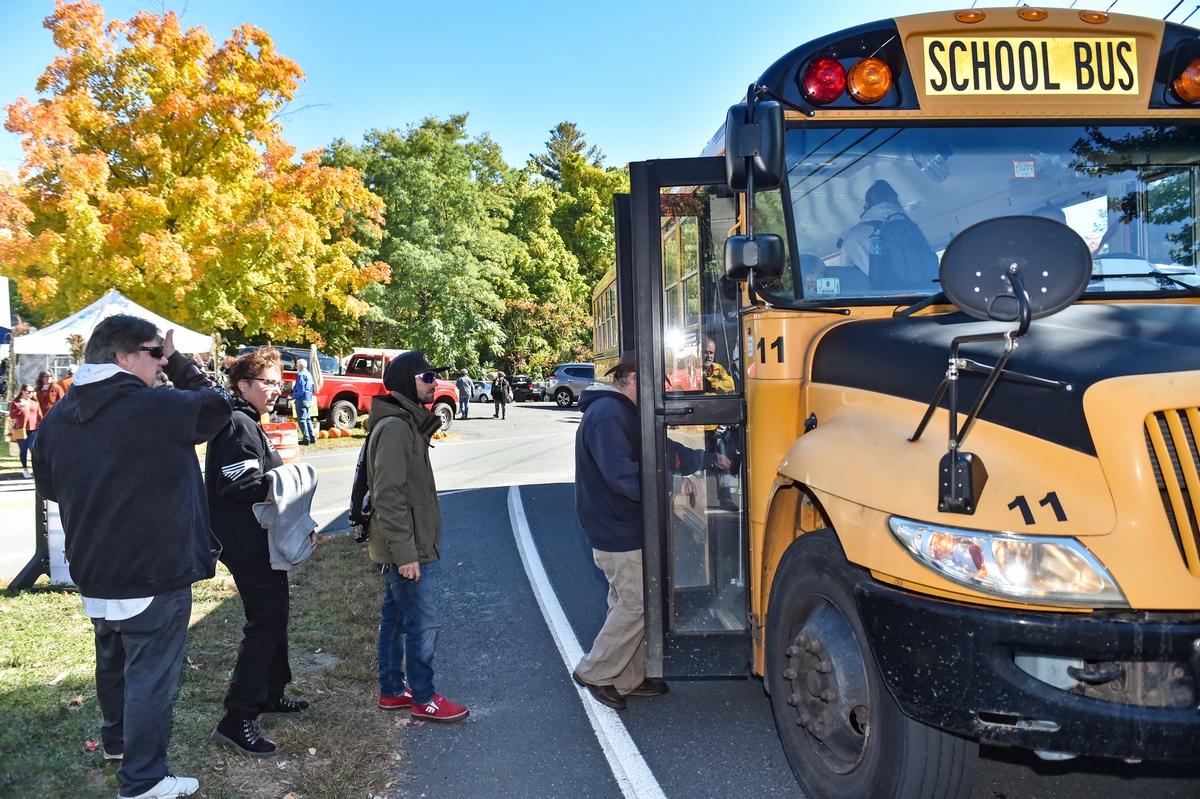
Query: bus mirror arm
point(962, 475)
point(763, 90)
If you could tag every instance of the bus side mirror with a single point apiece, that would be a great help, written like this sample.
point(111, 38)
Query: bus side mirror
point(754, 143)
point(763, 256)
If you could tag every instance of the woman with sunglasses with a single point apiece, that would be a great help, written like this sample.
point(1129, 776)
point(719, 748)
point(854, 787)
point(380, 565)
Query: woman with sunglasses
point(236, 476)
point(24, 415)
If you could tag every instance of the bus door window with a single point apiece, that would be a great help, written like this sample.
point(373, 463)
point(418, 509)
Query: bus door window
point(708, 587)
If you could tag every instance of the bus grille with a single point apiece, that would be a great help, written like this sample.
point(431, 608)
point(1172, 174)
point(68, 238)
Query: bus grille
point(1176, 460)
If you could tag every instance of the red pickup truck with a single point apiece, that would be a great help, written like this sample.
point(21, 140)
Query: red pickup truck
point(343, 397)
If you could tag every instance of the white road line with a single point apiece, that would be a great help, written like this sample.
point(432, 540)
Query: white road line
point(628, 766)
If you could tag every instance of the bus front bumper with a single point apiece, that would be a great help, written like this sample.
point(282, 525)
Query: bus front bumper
point(951, 665)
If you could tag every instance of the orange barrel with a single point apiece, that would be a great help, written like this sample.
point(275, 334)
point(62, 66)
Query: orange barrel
point(286, 439)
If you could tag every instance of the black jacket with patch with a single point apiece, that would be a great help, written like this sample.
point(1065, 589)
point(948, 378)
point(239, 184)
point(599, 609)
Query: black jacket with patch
point(235, 473)
point(119, 458)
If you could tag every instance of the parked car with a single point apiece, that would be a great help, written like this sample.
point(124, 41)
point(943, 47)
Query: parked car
point(568, 381)
point(525, 389)
point(483, 391)
point(344, 397)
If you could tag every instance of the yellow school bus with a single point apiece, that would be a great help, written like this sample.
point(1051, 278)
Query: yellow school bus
point(929, 304)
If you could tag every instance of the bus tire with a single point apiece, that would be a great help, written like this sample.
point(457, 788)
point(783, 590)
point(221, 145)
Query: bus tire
point(852, 740)
point(342, 414)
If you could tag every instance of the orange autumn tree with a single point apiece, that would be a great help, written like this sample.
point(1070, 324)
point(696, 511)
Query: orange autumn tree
point(153, 164)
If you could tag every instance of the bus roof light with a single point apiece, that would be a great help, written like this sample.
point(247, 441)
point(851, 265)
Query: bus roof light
point(1093, 17)
point(1033, 14)
point(1187, 85)
point(869, 80)
point(824, 80)
point(970, 16)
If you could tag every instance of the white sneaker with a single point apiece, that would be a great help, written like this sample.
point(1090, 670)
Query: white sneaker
point(168, 787)
point(28, 474)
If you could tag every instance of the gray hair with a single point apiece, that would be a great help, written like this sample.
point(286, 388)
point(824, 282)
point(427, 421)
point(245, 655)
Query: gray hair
point(301, 363)
point(622, 378)
point(118, 334)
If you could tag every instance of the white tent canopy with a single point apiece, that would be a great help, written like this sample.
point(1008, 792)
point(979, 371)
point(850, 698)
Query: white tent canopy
point(52, 340)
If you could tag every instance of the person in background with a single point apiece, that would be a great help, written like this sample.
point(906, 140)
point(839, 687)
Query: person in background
point(406, 529)
point(119, 458)
point(24, 414)
point(466, 389)
point(236, 476)
point(65, 384)
point(500, 389)
point(302, 394)
point(48, 392)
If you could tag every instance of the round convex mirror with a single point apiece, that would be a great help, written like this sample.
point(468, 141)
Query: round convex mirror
point(1054, 262)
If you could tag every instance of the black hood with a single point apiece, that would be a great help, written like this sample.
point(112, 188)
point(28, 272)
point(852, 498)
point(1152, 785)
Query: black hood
point(1082, 345)
point(401, 373)
point(83, 402)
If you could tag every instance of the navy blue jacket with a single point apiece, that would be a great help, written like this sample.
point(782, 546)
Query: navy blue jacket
point(608, 492)
point(119, 458)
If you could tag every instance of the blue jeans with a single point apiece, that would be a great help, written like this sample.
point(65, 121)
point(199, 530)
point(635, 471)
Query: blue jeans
point(24, 445)
point(304, 418)
point(407, 634)
point(463, 404)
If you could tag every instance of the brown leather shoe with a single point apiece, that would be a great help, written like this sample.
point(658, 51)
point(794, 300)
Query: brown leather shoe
point(605, 694)
point(650, 687)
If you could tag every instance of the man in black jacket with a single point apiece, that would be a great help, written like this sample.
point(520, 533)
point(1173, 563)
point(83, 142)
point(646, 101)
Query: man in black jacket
point(119, 457)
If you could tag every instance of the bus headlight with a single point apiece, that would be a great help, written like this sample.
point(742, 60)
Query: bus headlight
point(1036, 569)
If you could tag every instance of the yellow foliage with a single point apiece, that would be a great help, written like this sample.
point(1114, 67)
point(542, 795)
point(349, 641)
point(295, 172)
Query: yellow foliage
point(153, 164)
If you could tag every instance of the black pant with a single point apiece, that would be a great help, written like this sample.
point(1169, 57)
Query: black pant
point(500, 409)
point(262, 669)
point(137, 669)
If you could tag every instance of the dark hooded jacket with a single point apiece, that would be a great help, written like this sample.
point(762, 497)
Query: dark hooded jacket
point(406, 521)
point(119, 458)
point(608, 492)
point(235, 476)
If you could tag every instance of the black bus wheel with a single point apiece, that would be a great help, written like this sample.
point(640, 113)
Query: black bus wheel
point(843, 734)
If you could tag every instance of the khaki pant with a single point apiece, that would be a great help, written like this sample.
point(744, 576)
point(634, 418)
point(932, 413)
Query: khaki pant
point(618, 656)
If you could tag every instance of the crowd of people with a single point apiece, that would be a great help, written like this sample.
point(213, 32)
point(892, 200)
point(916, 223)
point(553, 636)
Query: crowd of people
point(143, 522)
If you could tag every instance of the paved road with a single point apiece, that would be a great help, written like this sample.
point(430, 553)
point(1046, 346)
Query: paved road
point(530, 733)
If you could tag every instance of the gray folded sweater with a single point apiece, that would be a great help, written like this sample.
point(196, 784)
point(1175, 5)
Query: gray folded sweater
point(286, 516)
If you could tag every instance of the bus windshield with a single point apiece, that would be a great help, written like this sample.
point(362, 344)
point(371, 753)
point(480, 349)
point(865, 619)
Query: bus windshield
point(873, 208)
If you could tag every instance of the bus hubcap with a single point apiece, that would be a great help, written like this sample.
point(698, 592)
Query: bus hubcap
point(829, 687)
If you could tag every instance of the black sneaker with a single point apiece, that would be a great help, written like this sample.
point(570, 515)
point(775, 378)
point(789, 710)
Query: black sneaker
point(285, 704)
point(243, 735)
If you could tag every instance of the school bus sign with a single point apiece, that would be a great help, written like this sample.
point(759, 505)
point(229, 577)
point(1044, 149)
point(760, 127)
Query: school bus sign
point(1016, 66)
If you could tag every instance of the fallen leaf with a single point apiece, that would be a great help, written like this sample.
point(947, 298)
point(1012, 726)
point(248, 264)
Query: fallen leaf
point(59, 678)
point(318, 650)
point(77, 701)
point(90, 745)
point(311, 751)
point(289, 796)
point(403, 722)
point(418, 724)
point(5, 609)
point(460, 563)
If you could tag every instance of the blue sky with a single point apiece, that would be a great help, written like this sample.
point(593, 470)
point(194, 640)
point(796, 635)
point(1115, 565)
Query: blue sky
point(642, 79)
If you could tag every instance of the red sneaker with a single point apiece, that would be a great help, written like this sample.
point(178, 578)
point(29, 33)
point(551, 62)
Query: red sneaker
point(396, 702)
point(439, 709)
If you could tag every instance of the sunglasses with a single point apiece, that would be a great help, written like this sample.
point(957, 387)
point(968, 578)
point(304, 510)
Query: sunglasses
point(428, 377)
point(155, 352)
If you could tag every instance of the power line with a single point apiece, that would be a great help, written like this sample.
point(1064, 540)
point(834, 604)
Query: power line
point(1173, 10)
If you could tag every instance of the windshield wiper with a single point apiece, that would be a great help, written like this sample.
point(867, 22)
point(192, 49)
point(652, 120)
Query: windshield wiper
point(1193, 290)
point(932, 299)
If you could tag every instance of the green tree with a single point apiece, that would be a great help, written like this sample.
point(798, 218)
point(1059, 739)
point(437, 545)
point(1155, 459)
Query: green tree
point(566, 141)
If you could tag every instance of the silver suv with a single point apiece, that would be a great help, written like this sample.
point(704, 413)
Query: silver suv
point(568, 382)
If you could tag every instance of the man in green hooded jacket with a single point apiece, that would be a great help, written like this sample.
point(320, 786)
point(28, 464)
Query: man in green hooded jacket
point(406, 528)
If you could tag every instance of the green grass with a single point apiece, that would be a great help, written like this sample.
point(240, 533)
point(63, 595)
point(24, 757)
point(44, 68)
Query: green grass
point(343, 746)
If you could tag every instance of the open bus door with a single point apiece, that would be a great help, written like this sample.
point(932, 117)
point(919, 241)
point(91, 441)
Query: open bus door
point(680, 313)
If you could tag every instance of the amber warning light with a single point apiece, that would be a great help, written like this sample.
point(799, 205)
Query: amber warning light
point(1187, 85)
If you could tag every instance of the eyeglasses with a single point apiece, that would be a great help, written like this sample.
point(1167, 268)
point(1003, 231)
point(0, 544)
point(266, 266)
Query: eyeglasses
point(428, 377)
point(156, 352)
point(268, 383)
